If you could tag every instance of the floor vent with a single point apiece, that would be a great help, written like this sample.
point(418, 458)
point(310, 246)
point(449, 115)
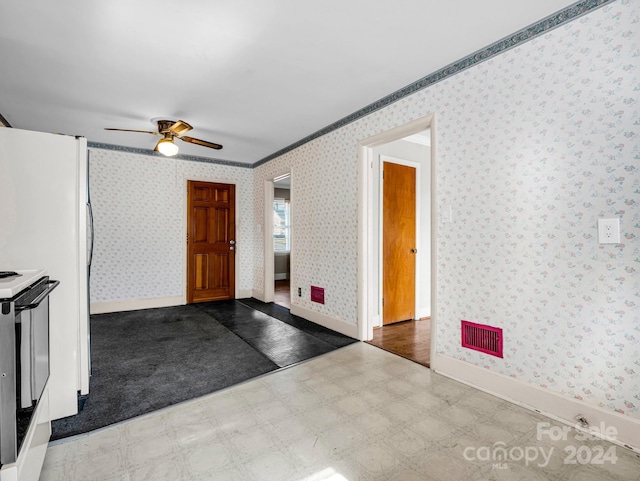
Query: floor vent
point(482, 338)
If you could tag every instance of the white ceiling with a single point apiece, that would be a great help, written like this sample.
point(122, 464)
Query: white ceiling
point(253, 75)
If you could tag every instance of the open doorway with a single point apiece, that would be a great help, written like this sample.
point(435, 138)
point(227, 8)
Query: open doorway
point(282, 240)
point(397, 235)
point(277, 240)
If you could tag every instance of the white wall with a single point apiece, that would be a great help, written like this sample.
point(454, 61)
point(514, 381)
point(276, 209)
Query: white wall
point(533, 146)
point(139, 205)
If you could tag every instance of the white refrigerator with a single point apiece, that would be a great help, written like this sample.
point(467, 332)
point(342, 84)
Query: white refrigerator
point(45, 223)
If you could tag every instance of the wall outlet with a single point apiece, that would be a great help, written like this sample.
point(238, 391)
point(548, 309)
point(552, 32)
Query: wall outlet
point(609, 231)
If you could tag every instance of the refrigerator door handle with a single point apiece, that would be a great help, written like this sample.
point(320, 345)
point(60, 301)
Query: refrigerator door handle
point(90, 215)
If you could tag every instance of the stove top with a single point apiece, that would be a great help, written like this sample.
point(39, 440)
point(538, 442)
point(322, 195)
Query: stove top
point(12, 285)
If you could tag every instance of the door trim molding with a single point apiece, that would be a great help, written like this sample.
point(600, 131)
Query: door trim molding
point(416, 286)
point(268, 290)
point(185, 217)
point(366, 298)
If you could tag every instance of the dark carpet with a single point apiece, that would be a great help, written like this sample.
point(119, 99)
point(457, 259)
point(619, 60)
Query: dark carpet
point(149, 359)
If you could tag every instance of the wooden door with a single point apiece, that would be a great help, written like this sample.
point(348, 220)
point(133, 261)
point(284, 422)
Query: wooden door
point(211, 244)
point(399, 242)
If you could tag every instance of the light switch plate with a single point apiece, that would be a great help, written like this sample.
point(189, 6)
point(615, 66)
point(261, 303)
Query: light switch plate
point(446, 214)
point(609, 231)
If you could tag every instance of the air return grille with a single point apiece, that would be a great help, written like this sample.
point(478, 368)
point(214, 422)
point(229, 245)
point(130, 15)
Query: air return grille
point(482, 338)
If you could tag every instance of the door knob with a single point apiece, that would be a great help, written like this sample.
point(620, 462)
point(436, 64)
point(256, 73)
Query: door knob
point(231, 248)
point(232, 242)
point(414, 251)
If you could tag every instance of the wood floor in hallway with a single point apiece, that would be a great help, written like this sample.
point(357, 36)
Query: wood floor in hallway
point(409, 339)
point(282, 293)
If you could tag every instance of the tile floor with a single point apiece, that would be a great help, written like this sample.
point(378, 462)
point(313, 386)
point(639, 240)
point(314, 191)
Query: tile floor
point(358, 413)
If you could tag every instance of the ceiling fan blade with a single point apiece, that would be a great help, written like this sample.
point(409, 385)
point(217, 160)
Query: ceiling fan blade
point(204, 143)
point(139, 131)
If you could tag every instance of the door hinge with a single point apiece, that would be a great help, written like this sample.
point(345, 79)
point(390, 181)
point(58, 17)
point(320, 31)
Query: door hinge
point(383, 302)
point(187, 238)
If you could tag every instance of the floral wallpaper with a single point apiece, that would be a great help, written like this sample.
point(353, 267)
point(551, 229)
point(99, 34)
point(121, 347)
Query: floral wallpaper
point(534, 145)
point(323, 225)
point(558, 148)
point(139, 216)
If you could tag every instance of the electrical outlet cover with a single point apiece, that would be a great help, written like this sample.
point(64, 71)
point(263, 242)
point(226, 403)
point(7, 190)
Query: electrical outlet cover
point(609, 231)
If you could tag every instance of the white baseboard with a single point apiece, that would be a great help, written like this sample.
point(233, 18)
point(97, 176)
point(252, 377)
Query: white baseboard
point(281, 276)
point(424, 312)
point(135, 304)
point(338, 325)
point(150, 303)
point(243, 293)
point(557, 406)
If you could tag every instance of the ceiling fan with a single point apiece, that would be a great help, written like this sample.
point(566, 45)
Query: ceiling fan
point(170, 130)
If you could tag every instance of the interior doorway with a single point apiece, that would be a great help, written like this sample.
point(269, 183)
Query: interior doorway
point(282, 240)
point(277, 240)
point(415, 333)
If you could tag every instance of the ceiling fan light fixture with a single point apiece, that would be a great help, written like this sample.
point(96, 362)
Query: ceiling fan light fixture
point(167, 147)
point(170, 130)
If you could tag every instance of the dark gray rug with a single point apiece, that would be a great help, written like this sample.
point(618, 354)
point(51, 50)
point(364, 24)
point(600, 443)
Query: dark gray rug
point(281, 342)
point(283, 314)
point(149, 359)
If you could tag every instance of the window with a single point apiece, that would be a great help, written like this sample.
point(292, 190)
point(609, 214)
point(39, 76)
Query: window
point(281, 225)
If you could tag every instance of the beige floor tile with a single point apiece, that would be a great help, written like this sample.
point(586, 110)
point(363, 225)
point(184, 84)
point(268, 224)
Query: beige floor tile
point(376, 459)
point(208, 458)
point(272, 466)
point(356, 414)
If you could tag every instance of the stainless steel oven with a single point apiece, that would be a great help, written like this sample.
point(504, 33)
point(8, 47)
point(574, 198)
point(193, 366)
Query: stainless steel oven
point(24, 362)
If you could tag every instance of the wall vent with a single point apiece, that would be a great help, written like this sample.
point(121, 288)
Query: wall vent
point(480, 337)
point(317, 294)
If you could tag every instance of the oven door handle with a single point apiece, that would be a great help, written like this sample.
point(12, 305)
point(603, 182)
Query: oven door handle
point(36, 302)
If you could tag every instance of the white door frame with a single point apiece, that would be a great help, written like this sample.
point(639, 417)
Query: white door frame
point(368, 300)
point(268, 292)
point(416, 286)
